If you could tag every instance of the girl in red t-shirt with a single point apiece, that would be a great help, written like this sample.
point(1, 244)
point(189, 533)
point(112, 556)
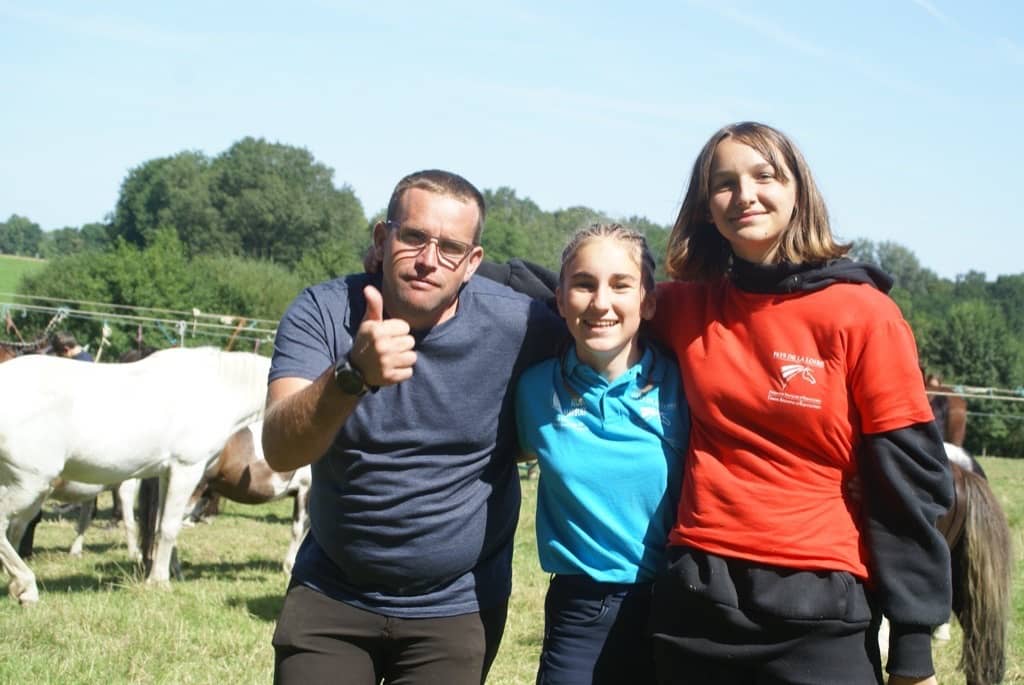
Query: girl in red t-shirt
point(802, 378)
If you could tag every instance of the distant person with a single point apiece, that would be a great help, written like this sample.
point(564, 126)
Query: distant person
point(608, 423)
point(395, 387)
point(64, 344)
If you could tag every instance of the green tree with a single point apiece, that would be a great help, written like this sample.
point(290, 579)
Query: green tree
point(280, 203)
point(20, 236)
point(972, 346)
point(1008, 293)
point(95, 236)
point(61, 241)
point(172, 192)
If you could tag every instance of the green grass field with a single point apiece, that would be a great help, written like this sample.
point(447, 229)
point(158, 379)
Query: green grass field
point(13, 268)
point(97, 623)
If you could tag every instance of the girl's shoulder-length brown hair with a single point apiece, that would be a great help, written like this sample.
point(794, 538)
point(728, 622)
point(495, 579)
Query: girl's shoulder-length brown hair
point(696, 251)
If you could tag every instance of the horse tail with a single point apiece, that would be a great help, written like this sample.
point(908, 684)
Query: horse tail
point(982, 593)
point(149, 513)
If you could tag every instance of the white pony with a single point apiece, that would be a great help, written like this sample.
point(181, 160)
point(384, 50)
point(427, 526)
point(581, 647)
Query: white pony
point(165, 415)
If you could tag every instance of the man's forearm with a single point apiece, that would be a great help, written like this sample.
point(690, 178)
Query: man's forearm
point(300, 424)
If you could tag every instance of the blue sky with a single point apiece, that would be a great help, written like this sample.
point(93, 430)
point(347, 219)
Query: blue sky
point(907, 110)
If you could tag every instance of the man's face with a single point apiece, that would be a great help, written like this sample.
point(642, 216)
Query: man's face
point(420, 283)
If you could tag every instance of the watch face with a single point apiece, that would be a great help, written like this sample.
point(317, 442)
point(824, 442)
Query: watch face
point(349, 380)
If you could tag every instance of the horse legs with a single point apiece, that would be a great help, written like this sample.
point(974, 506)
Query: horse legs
point(300, 526)
point(175, 488)
point(124, 497)
point(17, 508)
point(85, 513)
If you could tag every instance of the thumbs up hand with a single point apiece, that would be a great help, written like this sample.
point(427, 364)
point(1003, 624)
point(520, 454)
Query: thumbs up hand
point(383, 348)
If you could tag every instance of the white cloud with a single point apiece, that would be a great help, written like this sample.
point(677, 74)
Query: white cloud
point(936, 13)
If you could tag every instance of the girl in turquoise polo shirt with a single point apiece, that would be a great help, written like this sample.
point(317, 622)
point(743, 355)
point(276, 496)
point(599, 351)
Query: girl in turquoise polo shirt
point(608, 422)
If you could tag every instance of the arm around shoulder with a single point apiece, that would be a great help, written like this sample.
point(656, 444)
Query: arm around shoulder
point(302, 419)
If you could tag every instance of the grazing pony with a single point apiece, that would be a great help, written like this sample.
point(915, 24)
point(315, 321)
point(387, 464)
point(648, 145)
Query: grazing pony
point(166, 415)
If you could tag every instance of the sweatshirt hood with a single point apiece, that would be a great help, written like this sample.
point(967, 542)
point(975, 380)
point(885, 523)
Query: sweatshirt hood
point(802, 278)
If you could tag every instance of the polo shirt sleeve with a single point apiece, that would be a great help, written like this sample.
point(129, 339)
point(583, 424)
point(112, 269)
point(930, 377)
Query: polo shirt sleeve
point(302, 348)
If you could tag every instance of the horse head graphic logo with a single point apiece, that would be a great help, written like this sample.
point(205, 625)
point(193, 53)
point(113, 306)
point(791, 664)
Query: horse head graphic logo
point(791, 371)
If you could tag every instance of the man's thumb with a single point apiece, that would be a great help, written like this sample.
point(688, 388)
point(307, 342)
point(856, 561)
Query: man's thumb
point(374, 304)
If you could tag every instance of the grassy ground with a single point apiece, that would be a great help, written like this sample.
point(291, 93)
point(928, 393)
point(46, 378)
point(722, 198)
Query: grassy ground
point(13, 268)
point(97, 623)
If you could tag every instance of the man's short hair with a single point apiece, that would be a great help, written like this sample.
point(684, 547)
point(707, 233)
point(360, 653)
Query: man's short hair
point(441, 183)
point(62, 340)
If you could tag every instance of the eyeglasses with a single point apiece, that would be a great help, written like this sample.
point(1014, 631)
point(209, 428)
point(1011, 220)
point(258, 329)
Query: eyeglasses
point(447, 248)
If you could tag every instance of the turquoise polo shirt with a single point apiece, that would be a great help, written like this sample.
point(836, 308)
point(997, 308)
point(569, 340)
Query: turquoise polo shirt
point(611, 463)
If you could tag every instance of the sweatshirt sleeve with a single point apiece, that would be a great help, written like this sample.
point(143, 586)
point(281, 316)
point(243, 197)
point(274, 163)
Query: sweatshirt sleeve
point(907, 486)
point(522, 276)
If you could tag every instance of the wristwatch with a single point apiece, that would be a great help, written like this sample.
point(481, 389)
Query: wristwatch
point(350, 379)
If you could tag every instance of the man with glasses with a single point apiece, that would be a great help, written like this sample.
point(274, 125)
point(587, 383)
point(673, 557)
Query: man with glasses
point(395, 386)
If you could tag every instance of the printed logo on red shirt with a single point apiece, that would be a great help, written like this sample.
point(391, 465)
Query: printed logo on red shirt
point(791, 370)
point(799, 370)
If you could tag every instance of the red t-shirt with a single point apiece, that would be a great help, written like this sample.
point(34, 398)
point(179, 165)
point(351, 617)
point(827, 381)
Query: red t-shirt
point(781, 390)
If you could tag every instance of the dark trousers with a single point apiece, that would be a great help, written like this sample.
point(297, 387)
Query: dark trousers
point(727, 621)
point(322, 640)
point(596, 633)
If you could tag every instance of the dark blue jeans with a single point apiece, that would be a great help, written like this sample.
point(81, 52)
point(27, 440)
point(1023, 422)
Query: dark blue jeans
point(596, 633)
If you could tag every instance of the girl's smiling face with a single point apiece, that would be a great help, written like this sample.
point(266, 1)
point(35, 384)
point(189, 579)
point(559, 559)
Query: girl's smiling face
point(751, 202)
point(603, 300)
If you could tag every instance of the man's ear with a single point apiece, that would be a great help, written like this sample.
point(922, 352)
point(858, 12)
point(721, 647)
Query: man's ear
point(374, 256)
point(473, 259)
point(380, 234)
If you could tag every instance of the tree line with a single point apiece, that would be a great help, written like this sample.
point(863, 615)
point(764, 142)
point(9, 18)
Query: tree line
point(244, 231)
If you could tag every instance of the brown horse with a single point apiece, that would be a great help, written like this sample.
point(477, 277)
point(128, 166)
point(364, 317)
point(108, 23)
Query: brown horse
point(979, 542)
point(950, 410)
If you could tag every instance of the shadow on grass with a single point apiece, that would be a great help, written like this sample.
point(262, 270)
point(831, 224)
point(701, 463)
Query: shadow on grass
point(266, 608)
point(117, 576)
point(105, 576)
point(254, 569)
point(254, 515)
point(62, 549)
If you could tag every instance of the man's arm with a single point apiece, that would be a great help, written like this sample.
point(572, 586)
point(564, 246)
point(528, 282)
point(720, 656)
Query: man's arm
point(303, 417)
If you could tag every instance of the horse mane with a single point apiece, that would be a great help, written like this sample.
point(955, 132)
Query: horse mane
point(246, 370)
